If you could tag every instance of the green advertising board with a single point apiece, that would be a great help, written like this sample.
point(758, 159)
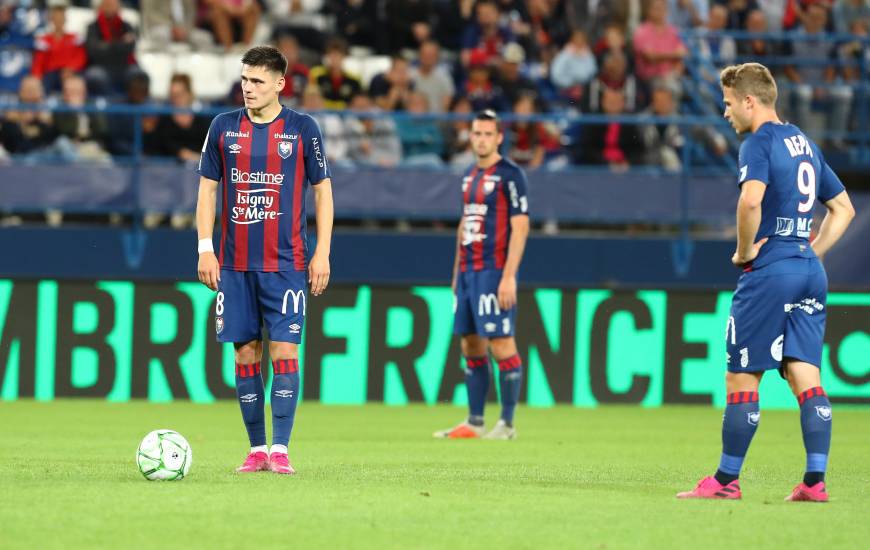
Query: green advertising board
point(121, 340)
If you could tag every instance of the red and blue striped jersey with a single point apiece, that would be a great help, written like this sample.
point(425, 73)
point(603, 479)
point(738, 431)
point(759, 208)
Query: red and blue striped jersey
point(490, 198)
point(266, 170)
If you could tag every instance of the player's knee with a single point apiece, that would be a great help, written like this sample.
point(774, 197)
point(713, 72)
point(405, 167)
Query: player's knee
point(503, 348)
point(283, 351)
point(473, 346)
point(248, 352)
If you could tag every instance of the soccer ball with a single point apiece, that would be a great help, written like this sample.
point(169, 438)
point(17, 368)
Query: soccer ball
point(164, 455)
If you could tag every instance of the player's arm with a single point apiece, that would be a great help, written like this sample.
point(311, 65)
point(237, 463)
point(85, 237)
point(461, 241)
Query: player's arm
point(748, 221)
point(456, 256)
point(838, 218)
point(208, 267)
point(507, 288)
point(318, 268)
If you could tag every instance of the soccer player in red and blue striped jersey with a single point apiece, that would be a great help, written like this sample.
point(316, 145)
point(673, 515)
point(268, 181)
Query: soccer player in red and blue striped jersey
point(266, 156)
point(490, 243)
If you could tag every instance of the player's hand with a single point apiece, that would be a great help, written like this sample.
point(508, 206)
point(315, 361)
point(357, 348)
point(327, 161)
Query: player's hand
point(318, 273)
point(507, 293)
point(740, 261)
point(209, 270)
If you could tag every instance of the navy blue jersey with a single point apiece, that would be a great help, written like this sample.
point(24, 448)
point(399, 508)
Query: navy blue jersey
point(796, 175)
point(490, 198)
point(266, 170)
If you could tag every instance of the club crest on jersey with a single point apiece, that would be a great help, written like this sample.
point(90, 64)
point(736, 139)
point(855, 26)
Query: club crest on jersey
point(285, 149)
point(488, 186)
point(219, 324)
point(824, 412)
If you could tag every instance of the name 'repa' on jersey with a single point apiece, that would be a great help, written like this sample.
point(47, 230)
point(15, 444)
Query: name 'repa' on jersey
point(266, 170)
point(490, 198)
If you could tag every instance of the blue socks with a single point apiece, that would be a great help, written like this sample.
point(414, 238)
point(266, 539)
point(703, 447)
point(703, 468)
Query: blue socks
point(510, 377)
point(249, 389)
point(816, 428)
point(738, 426)
point(477, 386)
point(285, 395)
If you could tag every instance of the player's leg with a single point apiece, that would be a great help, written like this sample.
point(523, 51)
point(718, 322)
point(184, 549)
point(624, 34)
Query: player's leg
point(802, 353)
point(510, 379)
point(282, 298)
point(237, 320)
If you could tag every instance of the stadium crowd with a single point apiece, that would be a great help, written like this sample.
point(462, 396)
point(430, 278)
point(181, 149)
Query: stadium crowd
point(525, 57)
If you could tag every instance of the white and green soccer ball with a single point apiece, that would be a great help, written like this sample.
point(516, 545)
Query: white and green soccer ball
point(164, 455)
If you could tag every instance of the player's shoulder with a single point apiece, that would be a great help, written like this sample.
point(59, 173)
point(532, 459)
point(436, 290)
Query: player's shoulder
point(227, 119)
point(301, 120)
point(508, 166)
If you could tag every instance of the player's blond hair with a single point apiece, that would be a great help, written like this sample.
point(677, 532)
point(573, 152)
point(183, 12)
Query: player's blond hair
point(750, 79)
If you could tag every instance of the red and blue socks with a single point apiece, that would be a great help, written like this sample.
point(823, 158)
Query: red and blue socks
point(738, 426)
point(816, 427)
point(477, 386)
point(285, 395)
point(249, 390)
point(510, 378)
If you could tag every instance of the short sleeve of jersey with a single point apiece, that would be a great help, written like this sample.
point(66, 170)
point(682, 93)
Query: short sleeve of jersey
point(316, 164)
point(754, 159)
point(829, 185)
point(210, 160)
point(516, 189)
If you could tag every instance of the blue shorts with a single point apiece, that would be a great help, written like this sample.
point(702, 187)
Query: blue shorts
point(248, 300)
point(476, 310)
point(777, 312)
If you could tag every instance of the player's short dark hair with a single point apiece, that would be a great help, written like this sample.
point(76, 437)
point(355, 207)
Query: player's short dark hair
point(750, 79)
point(268, 57)
point(489, 114)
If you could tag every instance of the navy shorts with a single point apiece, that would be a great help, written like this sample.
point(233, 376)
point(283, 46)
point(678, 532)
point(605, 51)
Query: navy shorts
point(777, 311)
point(476, 309)
point(248, 300)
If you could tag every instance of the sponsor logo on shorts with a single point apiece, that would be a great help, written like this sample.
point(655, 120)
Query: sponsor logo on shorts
point(219, 324)
point(753, 418)
point(284, 393)
point(294, 328)
point(298, 297)
point(824, 412)
point(776, 348)
point(489, 327)
point(744, 358)
point(248, 398)
point(807, 305)
point(486, 304)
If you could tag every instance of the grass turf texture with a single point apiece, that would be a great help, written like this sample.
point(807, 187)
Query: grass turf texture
point(373, 477)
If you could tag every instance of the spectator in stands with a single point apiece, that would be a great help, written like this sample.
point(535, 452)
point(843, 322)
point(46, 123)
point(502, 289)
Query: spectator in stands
point(372, 139)
point(296, 79)
point(17, 26)
point(28, 132)
point(615, 144)
point(816, 80)
point(180, 135)
point(332, 125)
point(336, 85)
point(614, 76)
point(409, 24)
point(717, 51)
point(228, 15)
point(757, 22)
point(851, 52)
point(57, 53)
point(847, 12)
point(687, 14)
point(539, 25)
point(612, 40)
point(574, 67)
point(123, 127)
point(86, 132)
point(657, 45)
point(773, 11)
point(738, 11)
point(511, 80)
point(664, 142)
point(167, 22)
point(458, 132)
point(110, 45)
point(480, 89)
point(390, 89)
point(302, 18)
point(433, 80)
point(422, 140)
point(356, 21)
point(485, 37)
point(531, 143)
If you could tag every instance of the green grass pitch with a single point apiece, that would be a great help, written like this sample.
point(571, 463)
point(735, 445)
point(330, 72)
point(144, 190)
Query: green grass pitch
point(372, 477)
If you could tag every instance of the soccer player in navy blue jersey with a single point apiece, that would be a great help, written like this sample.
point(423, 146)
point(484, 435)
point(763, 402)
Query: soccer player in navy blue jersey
point(266, 156)
point(490, 243)
point(777, 318)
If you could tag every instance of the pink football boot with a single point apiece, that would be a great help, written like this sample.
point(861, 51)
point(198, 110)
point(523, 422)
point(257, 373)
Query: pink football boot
point(710, 488)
